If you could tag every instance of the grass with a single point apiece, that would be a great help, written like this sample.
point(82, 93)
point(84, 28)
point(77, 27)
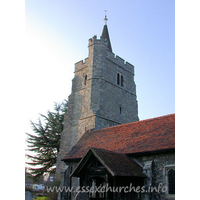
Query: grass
point(41, 198)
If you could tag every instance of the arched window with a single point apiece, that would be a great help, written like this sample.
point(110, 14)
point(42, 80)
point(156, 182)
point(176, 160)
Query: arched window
point(118, 79)
point(122, 81)
point(85, 79)
point(171, 181)
point(120, 110)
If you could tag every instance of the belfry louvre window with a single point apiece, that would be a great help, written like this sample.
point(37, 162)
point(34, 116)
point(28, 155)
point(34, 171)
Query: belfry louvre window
point(171, 181)
point(117, 79)
point(120, 80)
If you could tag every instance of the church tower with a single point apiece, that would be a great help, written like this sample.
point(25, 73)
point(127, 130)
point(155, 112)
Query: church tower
point(103, 94)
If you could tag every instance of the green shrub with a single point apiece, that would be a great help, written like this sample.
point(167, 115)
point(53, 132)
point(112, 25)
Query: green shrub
point(42, 198)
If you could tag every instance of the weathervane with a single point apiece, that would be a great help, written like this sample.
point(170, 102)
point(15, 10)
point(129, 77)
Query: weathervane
point(105, 19)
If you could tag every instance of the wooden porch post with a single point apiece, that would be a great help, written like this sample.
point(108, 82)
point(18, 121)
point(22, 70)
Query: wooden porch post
point(106, 184)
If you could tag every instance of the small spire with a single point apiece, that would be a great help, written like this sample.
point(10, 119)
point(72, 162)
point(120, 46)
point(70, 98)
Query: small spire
point(105, 34)
point(105, 19)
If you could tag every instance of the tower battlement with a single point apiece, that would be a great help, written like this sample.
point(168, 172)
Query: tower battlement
point(121, 62)
point(109, 55)
point(95, 40)
point(81, 64)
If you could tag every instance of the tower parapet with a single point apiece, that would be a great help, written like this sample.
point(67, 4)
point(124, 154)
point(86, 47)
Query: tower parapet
point(120, 61)
point(94, 40)
point(81, 64)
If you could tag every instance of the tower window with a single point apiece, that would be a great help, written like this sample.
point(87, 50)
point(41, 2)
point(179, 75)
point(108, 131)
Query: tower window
point(85, 79)
point(117, 79)
point(122, 81)
point(120, 110)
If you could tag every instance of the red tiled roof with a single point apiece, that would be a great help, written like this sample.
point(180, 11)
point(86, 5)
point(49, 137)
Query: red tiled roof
point(142, 136)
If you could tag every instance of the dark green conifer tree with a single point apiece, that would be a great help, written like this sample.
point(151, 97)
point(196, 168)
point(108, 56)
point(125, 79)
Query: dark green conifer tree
point(46, 142)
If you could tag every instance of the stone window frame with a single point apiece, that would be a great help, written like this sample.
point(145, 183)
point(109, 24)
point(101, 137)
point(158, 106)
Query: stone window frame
point(85, 79)
point(120, 109)
point(165, 175)
point(120, 79)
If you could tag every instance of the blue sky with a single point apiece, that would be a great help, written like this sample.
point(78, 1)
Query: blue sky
point(141, 32)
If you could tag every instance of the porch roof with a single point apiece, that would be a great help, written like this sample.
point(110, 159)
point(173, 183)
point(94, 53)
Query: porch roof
point(117, 164)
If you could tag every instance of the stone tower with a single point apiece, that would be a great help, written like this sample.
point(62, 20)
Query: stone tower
point(103, 94)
